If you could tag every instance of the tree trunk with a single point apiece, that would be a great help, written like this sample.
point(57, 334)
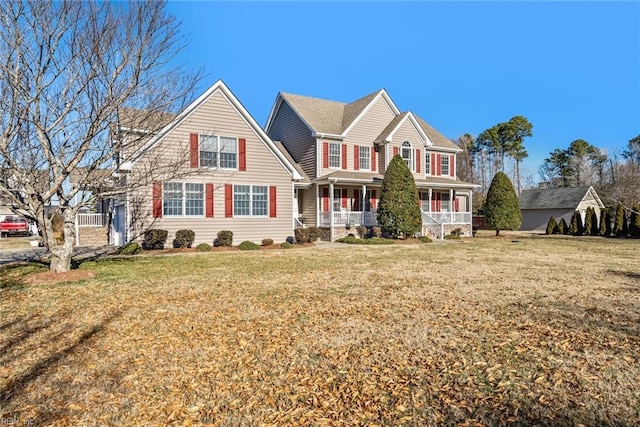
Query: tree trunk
point(497, 232)
point(59, 251)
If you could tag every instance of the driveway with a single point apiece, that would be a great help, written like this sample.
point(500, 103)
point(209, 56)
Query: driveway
point(10, 255)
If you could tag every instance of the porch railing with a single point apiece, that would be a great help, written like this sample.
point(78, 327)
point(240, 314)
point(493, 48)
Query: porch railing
point(366, 218)
point(91, 220)
point(451, 217)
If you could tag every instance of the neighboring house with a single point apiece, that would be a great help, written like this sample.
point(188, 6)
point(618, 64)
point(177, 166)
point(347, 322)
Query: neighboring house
point(537, 206)
point(234, 178)
point(344, 149)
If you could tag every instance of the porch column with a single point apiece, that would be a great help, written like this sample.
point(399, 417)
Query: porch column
point(451, 204)
point(331, 209)
point(318, 205)
point(362, 204)
point(430, 197)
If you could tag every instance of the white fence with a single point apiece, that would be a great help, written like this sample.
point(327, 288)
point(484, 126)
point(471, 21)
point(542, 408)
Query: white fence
point(366, 218)
point(91, 220)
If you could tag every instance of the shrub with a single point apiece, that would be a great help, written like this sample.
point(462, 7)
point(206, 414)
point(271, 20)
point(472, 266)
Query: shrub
point(620, 227)
point(362, 231)
point(184, 239)
point(314, 233)
point(248, 246)
point(634, 222)
point(302, 235)
point(286, 245)
point(289, 240)
point(452, 237)
point(551, 226)
point(371, 241)
point(563, 228)
point(501, 207)
point(225, 238)
point(425, 239)
point(155, 239)
point(398, 208)
point(605, 223)
point(267, 242)
point(203, 247)
point(325, 234)
point(575, 227)
point(375, 232)
point(131, 248)
point(590, 222)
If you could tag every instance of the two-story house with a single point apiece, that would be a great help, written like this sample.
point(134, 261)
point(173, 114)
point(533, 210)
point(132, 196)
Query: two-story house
point(344, 149)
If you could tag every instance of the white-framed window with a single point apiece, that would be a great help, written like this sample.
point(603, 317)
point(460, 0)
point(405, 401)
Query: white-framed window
point(427, 163)
point(445, 205)
point(218, 151)
point(337, 199)
point(407, 154)
point(335, 155)
point(444, 165)
point(425, 202)
point(365, 158)
point(182, 199)
point(250, 200)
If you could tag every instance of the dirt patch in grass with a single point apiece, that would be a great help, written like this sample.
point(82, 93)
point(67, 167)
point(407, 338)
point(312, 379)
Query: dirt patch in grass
point(50, 278)
point(545, 332)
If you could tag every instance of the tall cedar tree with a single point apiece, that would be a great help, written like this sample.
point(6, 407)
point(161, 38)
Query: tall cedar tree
point(399, 209)
point(563, 228)
point(605, 223)
point(575, 227)
point(620, 228)
point(594, 223)
point(551, 226)
point(588, 221)
point(501, 207)
point(634, 222)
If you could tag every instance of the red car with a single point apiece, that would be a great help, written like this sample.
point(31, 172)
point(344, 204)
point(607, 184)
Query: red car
point(14, 224)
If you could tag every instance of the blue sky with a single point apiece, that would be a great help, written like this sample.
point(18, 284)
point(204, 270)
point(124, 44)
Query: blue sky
point(571, 68)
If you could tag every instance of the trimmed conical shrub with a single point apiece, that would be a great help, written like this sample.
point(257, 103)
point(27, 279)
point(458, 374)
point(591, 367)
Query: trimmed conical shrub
point(620, 227)
point(551, 226)
point(562, 227)
point(501, 207)
point(634, 222)
point(398, 209)
point(591, 222)
point(575, 227)
point(605, 223)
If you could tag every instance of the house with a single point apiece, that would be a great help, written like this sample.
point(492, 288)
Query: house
point(343, 150)
point(234, 177)
point(538, 205)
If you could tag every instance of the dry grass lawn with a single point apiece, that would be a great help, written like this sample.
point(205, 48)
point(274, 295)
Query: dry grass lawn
point(541, 331)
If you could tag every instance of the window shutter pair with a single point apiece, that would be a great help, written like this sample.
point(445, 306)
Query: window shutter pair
point(157, 200)
point(325, 155)
point(228, 201)
point(194, 152)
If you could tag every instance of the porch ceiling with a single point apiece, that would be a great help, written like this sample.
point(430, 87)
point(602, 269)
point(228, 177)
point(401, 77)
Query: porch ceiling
point(351, 177)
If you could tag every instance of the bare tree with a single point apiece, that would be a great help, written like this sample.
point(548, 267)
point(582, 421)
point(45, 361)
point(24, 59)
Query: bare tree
point(66, 68)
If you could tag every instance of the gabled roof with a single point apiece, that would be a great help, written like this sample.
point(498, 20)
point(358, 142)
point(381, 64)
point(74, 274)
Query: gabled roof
point(143, 120)
point(218, 86)
point(396, 122)
point(320, 115)
point(304, 178)
point(556, 198)
point(438, 139)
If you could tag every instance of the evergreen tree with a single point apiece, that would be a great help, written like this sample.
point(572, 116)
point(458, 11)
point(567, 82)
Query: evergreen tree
point(576, 228)
point(398, 209)
point(620, 228)
point(551, 226)
point(562, 227)
point(594, 223)
point(590, 227)
point(605, 223)
point(634, 222)
point(501, 207)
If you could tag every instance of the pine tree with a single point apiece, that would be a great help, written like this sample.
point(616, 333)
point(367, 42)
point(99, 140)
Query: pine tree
point(551, 226)
point(605, 223)
point(398, 209)
point(590, 222)
point(620, 228)
point(562, 227)
point(634, 222)
point(576, 228)
point(501, 207)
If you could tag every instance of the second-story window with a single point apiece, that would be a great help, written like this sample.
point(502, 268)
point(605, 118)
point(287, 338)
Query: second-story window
point(334, 155)
point(365, 158)
point(427, 163)
point(444, 165)
point(407, 154)
point(218, 152)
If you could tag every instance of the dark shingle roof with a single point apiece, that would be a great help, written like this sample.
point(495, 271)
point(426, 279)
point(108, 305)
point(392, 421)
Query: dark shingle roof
point(552, 198)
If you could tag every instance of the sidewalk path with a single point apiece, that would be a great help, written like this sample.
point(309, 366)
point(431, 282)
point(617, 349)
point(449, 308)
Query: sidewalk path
point(8, 256)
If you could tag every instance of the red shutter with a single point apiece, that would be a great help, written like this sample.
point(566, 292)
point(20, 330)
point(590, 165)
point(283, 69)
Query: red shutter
point(433, 164)
point(209, 200)
point(373, 159)
point(272, 202)
point(433, 202)
point(344, 198)
point(356, 200)
point(242, 151)
point(439, 164)
point(325, 199)
point(157, 200)
point(395, 151)
point(356, 157)
point(373, 199)
point(344, 156)
point(228, 201)
point(325, 154)
point(438, 202)
point(193, 150)
point(418, 161)
point(457, 205)
point(452, 166)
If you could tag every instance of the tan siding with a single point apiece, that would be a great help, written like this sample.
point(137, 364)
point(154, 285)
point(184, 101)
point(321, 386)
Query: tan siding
point(309, 206)
point(289, 129)
point(407, 132)
point(216, 115)
point(381, 156)
point(366, 130)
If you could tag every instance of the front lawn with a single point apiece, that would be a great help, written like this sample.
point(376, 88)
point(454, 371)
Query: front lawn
point(536, 331)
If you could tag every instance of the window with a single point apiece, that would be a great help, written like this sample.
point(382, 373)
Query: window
point(334, 155)
point(444, 165)
point(425, 202)
point(365, 158)
point(407, 154)
point(250, 200)
point(337, 199)
point(180, 199)
point(218, 151)
point(445, 205)
point(427, 163)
